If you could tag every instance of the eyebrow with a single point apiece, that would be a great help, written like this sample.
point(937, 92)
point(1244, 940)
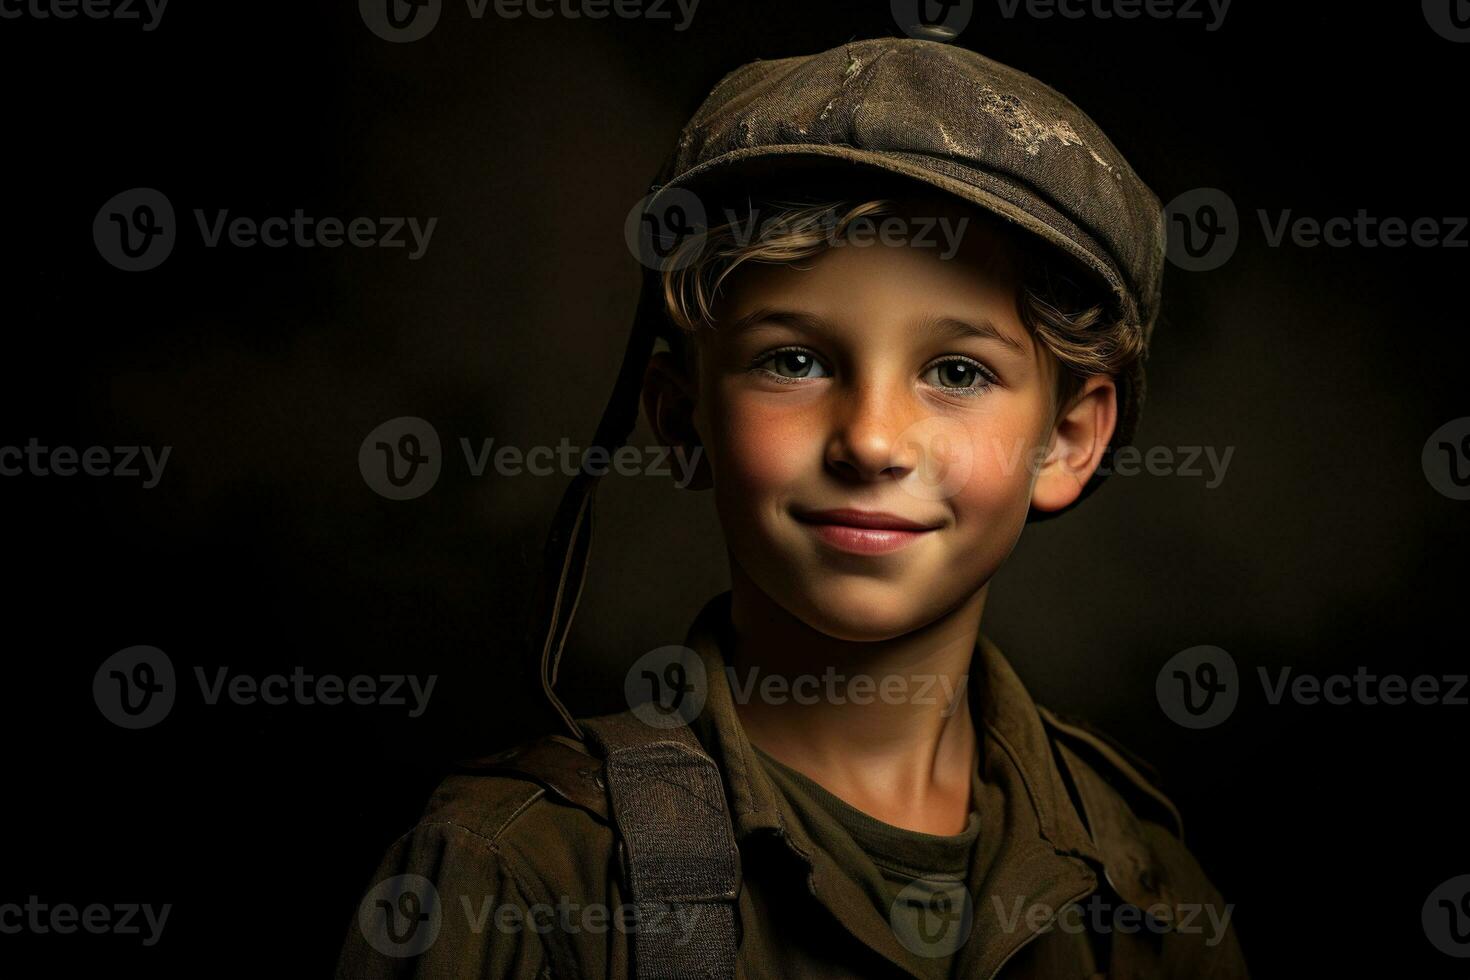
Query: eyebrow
point(947, 326)
point(955, 327)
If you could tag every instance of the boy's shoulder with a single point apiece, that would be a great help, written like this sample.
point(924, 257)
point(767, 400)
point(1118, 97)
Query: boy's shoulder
point(1089, 753)
point(562, 769)
point(533, 817)
point(503, 842)
point(517, 797)
point(1136, 828)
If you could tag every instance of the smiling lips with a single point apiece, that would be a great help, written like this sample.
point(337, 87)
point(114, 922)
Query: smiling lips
point(864, 532)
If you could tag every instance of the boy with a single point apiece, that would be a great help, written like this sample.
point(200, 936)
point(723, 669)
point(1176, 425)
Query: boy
point(915, 320)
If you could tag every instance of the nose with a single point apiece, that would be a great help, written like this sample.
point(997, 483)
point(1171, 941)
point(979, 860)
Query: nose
point(866, 441)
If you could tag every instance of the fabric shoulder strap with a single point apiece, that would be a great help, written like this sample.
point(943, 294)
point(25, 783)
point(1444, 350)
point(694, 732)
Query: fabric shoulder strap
point(677, 849)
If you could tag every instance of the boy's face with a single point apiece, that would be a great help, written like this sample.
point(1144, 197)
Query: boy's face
point(853, 383)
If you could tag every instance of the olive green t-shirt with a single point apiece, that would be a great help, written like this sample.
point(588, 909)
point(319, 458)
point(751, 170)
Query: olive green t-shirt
point(922, 870)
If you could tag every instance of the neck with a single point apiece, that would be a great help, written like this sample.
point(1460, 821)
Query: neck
point(884, 725)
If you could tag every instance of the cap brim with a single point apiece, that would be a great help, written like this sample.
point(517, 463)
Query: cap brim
point(997, 194)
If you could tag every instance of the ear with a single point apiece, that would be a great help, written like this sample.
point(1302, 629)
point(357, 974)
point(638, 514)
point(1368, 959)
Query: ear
point(1078, 441)
point(669, 397)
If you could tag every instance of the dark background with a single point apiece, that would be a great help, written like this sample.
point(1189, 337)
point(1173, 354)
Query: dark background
point(263, 549)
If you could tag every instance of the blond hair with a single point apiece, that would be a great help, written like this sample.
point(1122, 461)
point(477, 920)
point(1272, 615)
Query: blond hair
point(1067, 312)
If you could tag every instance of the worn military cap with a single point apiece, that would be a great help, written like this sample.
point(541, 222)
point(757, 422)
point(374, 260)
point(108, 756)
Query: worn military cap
point(917, 110)
point(953, 119)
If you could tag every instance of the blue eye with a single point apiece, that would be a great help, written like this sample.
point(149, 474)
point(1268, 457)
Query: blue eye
point(792, 364)
point(960, 376)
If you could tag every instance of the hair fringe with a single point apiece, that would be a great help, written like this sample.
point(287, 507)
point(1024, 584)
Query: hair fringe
point(1067, 312)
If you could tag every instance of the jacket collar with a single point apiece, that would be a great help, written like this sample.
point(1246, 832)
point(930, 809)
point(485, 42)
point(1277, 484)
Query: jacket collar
point(1044, 834)
point(1004, 714)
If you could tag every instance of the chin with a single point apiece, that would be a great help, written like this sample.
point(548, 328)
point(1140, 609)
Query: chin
point(865, 610)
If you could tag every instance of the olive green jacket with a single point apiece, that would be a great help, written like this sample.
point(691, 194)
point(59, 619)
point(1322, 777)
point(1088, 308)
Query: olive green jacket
point(1079, 869)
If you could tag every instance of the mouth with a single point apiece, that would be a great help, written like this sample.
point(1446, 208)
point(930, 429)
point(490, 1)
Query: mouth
point(864, 532)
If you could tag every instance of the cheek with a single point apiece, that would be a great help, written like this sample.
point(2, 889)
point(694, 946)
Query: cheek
point(994, 466)
point(762, 448)
point(1005, 456)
